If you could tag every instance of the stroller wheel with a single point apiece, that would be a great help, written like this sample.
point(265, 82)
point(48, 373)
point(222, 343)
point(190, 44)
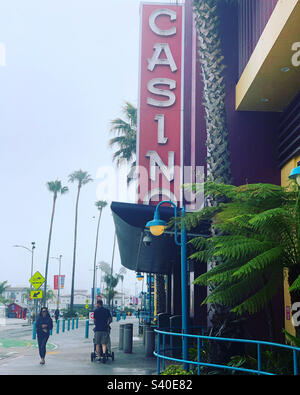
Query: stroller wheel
point(93, 355)
point(112, 356)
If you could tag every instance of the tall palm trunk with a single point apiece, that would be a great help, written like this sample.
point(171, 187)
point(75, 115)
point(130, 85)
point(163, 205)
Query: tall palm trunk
point(211, 59)
point(74, 250)
point(48, 249)
point(206, 14)
point(95, 258)
point(160, 293)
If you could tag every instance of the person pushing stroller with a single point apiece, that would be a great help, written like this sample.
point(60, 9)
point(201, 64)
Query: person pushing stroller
point(102, 320)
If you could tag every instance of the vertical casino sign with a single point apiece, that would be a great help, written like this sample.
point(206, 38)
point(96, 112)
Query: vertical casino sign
point(160, 108)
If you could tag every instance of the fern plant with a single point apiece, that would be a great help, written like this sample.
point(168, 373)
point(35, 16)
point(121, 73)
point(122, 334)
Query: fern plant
point(259, 236)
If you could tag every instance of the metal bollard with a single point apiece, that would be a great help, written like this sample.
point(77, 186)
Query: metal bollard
point(63, 325)
point(86, 329)
point(68, 328)
point(73, 322)
point(145, 328)
point(149, 342)
point(76, 322)
point(140, 329)
point(34, 331)
point(128, 335)
point(121, 336)
point(57, 326)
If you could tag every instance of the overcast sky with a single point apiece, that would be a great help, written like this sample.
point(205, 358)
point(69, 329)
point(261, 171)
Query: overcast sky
point(69, 67)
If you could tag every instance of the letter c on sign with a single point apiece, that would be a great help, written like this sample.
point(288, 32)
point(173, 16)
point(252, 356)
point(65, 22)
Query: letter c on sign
point(155, 28)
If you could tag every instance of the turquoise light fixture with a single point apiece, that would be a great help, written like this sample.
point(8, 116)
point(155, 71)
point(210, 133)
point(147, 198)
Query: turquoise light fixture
point(295, 174)
point(157, 226)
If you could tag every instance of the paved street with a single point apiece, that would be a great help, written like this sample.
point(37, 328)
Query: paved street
point(69, 353)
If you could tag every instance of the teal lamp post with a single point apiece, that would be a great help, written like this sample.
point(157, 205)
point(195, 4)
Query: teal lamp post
point(295, 174)
point(157, 228)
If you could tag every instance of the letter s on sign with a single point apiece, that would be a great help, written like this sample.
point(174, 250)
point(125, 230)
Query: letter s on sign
point(161, 92)
point(155, 28)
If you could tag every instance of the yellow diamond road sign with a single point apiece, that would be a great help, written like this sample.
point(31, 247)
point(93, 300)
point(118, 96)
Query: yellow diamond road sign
point(36, 294)
point(37, 280)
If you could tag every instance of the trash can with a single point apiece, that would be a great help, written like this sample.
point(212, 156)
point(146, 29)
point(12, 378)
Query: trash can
point(128, 336)
point(145, 326)
point(121, 336)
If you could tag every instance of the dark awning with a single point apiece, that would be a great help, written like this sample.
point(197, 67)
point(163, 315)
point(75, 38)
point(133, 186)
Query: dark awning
point(130, 221)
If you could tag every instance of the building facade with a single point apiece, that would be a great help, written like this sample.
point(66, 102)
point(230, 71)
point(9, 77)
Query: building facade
point(260, 41)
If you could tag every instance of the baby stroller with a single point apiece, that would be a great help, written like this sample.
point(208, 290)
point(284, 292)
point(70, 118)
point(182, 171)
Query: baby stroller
point(108, 354)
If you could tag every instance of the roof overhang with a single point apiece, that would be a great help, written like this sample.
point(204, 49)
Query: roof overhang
point(271, 80)
point(130, 221)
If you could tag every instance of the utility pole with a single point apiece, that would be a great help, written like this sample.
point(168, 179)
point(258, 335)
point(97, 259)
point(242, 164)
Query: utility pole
point(112, 266)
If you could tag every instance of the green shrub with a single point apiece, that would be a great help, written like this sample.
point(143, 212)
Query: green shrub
point(175, 370)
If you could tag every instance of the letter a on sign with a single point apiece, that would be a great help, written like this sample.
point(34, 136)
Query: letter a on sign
point(157, 60)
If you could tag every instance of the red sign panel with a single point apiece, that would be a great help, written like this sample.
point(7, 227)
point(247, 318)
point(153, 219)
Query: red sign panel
point(62, 281)
point(160, 110)
point(56, 282)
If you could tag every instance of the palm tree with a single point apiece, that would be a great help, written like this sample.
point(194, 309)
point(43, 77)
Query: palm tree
point(125, 136)
point(207, 20)
point(82, 178)
point(121, 275)
point(54, 187)
point(3, 286)
point(211, 59)
point(104, 268)
point(100, 204)
point(111, 282)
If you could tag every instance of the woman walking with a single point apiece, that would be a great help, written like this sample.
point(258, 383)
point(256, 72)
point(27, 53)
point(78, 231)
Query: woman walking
point(44, 325)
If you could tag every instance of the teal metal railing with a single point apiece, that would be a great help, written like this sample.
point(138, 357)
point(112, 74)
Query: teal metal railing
point(161, 350)
point(74, 323)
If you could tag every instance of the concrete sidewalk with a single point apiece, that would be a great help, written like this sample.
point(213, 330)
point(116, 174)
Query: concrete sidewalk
point(70, 354)
point(12, 322)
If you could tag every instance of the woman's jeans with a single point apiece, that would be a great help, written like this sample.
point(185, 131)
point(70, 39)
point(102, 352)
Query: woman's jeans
point(42, 341)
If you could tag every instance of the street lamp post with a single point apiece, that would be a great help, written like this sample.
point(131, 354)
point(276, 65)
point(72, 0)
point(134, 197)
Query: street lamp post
point(157, 228)
point(31, 250)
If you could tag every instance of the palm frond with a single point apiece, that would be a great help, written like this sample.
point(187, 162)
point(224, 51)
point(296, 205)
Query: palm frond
point(296, 285)
point(82, 177)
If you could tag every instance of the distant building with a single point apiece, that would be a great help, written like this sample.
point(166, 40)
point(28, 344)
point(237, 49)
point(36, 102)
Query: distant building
point(17, 295)
point(81, 297)
point(14, 310)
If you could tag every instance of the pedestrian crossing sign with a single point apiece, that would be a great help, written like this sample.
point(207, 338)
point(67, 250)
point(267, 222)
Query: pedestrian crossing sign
point(37, 280)
point(36, 294)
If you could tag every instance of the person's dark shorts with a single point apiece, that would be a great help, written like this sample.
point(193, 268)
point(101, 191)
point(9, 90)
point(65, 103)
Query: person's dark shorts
point(101, 337)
